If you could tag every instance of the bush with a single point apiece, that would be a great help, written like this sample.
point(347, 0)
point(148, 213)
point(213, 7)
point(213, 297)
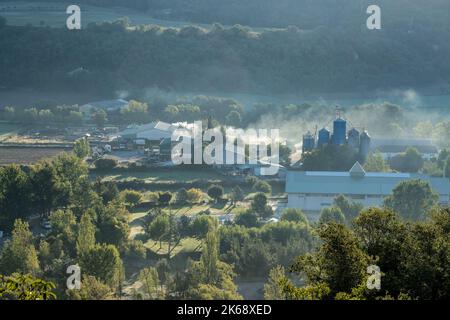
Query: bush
point(131, 197)
point(164, 198)
point(215, 192)
point(135, 249)
point(262, 186)
point(294, 215)
point(194, 195)
point(247, 219)
point(331, 214)
point(105, 164)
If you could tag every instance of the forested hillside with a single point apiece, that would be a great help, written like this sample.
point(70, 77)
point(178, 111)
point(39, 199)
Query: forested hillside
point(113, 56)
point(281, 13)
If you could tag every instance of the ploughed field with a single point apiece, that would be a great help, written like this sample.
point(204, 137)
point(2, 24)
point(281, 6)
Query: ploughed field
point(23, 155)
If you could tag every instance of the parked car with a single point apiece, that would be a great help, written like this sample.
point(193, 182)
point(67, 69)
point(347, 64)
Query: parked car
point(46, 225)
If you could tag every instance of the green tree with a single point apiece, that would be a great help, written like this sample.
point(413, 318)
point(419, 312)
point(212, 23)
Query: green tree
point(247, 219)
point(164, 198)
point(294, 215)
point(383, 235)
point(329, 158)
point(273, 289)
point(46, 187)
point(108, 190)
point(105, 164)
point(150, 284)
point(262, 186)
point(194, 195)
point(112, 225)
point(91, 289)
point(104, 263)
point(234, 118)
point(100, 118)
point(259, 205)
point(409, 161)
point(14, 204)
point(210, 256)
point(86, 235)
point(237, 194)
point(215, 192)
point(349, 208)
point(201, 225)
point(131, 197)
point(81, 148)
point(19, 253)
point(375, 163)
point(25, 287)
point(135, 112)
point(159, 228)
point(339, 263)
point(64, 225)
point(331, 214)
point(412, 199)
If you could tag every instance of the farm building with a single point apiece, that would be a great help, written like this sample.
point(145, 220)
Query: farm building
point(392, 147)
point(314, 190)
point(107, 105)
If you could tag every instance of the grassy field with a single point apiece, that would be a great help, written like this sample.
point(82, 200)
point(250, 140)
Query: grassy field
point(165, 175)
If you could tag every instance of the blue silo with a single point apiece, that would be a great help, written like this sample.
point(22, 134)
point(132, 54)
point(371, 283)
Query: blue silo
point(309, 142)
point(353, 139)
point(364, 145)
point(324, 137)
point(339, 132)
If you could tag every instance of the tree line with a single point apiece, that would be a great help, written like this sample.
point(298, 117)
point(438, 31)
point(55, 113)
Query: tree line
point(233, 59)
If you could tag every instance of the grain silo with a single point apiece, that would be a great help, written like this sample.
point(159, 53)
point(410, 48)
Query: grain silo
point(324, 137)
point(309, 142)
point(339, 132)
point(353, 139)
point(364, 145)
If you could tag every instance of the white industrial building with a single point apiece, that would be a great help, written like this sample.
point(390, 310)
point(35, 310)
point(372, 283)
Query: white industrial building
point(392, 147)
point(314, 190)
point(88, 109)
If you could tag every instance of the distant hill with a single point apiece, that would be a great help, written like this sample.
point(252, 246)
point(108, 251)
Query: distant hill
point(281, 13)
point(333, 52)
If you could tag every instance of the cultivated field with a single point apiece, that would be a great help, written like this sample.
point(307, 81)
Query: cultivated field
point(21, 155)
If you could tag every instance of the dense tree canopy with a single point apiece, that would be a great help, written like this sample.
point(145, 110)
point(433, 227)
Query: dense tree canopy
point(322, 59)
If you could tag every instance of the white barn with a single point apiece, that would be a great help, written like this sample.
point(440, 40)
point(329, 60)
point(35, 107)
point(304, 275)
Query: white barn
point(314, 190)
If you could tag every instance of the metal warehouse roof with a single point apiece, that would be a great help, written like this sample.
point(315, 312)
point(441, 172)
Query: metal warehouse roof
point(380, 183)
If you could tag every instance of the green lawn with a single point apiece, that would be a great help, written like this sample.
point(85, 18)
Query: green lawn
point(175, 175)
point(186, 245)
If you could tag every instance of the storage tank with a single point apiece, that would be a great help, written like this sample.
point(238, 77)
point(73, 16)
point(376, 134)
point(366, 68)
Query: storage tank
point(308, 142)
point(353, 139)
point(339, 132)
point(324, 137)
point(364, 145)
